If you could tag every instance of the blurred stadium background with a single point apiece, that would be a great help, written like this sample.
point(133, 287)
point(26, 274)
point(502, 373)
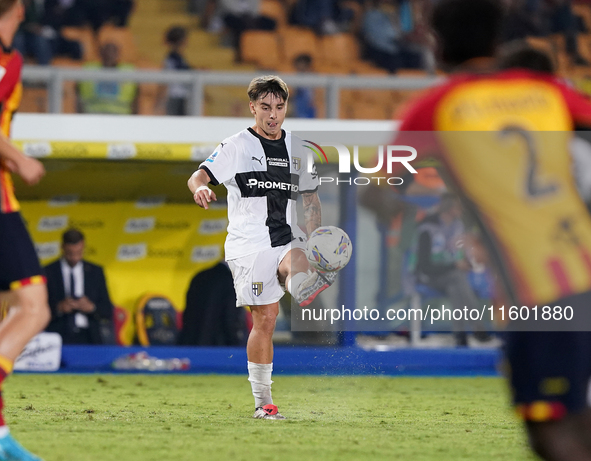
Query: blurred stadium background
point(121, 178)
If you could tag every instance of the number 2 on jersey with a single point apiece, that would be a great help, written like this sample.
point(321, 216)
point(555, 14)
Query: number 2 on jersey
point(534, 187)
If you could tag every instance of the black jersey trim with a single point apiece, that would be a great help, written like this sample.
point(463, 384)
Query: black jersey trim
point(262, 138)
point(276, 184)
point(213, 181)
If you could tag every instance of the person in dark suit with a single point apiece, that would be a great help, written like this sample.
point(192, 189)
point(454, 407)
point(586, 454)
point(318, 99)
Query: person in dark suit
point(78, 296)
point(211, 317)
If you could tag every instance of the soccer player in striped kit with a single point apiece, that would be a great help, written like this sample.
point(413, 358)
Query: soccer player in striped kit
point(264, 169)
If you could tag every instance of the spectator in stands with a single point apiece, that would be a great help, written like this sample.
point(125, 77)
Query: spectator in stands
point(385, 40)
point(320, 15)
point(441, 262)
point(237, 16)
point(31, 39)
point(40, 34)
point(60, 13)
point(176, 41)
point(78, 296)
point(120, 11)
point(303, 97)
point(98, 12)
point(211, 317)
point(543, 18)
point(108, 97)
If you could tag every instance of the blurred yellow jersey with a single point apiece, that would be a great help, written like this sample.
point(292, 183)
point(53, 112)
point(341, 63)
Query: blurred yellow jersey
point(503, 141)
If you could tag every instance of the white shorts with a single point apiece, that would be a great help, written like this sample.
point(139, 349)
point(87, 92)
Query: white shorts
point(255, 276)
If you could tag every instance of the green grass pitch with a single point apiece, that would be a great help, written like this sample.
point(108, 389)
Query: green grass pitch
point(187, 418)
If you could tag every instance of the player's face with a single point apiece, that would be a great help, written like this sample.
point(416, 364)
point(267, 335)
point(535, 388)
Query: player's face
point(269, 113)
point(73, 253)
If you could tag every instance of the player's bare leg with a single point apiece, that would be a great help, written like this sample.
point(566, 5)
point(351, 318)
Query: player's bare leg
point(259, 350)
point(28, 314)
point(260, 341)
point(562, 440)
point(303, 284)
point(293, 264)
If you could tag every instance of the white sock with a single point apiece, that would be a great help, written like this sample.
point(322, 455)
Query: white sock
point(294, 283)
point(259, 375)
point(3, 431)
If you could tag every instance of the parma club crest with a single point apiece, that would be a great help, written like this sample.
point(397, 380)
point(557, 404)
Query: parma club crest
point(257, 288)
point(297, 163)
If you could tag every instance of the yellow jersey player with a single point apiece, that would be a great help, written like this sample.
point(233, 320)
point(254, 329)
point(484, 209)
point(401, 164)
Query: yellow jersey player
point(502, 139)
point(22, 285)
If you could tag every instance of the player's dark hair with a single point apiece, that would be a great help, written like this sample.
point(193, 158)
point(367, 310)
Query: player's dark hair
point(176, 35)
point(268, 84)
point(72, 236)
point(520, 54)
point(467, 29)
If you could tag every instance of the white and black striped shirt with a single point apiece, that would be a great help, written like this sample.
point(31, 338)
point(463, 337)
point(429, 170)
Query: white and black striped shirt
point(263, 178)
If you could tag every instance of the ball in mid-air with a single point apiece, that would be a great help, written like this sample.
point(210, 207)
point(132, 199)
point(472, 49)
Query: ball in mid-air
point(329, 249)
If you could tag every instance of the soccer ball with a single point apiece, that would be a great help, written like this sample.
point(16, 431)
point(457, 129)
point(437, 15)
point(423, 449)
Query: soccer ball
point(329, 249)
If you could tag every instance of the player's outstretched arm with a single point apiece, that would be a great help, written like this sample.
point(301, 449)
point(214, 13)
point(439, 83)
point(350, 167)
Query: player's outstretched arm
point(198, 185)
point(30, 169)
point(312, 211)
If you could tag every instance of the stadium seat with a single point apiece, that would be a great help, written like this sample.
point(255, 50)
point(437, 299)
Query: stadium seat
point(34, 100)
point(340, 50)
point(321, 67)
point(411, 73)
point(376, 96)
point(320, 102)
point(584, 44)
point(147, 97)
point(148, 92)
point(366, 68)
point(65, 62)
point(299, 40)
point(347, 99)
point(226, 101)
point(251, 44)
point(86, 37)
point(285, 68)
point(69, 103)
point(122, 37)
point(584, 11)
point(275, 10)
point(401, 98)
point(369, 110)
point(146, 64)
